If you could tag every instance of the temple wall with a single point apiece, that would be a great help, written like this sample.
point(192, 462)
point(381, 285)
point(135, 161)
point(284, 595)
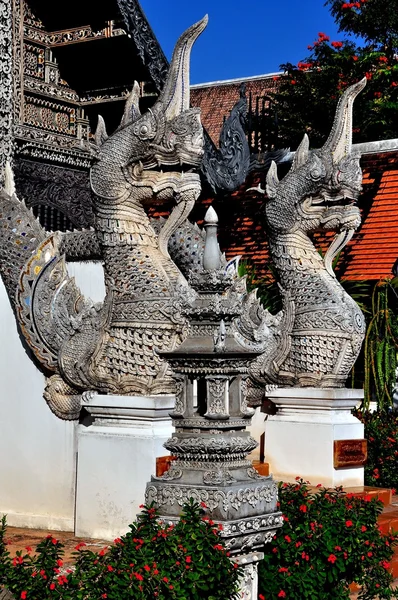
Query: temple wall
point(37, 450)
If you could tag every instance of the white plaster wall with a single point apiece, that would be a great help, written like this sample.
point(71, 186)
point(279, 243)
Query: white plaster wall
point(37, 450)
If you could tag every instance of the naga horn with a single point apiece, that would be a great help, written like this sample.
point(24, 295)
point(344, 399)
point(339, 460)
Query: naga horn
point(339, 141)
point(175, 94)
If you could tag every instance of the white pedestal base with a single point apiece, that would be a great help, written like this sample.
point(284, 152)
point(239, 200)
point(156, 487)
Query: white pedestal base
point(299, 439)
point(116, 458)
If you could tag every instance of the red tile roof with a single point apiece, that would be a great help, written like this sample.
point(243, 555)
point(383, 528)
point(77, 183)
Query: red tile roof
point(216, 100)
point(374, 249)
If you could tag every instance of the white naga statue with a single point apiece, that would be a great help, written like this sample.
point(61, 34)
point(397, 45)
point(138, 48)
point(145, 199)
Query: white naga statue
point(112, 347)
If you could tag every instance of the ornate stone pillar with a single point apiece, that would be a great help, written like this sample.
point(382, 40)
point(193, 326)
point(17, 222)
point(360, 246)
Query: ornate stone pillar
point(211, 443)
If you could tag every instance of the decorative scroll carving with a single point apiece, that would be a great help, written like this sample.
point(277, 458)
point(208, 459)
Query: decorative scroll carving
point(226, 168)
point(6, 76)
point(147, 45)
point(66, 190)
point(225, 501)
point(50, 116)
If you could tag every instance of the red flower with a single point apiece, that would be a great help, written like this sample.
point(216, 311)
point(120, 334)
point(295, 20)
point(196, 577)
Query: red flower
point(377, 95)
point(52, 586)
point(28, 549)
point(188, 559)
point(303, 508)
point(332, 558)
point(261, 597)
point(369, 76)
point(104, 596)
point(355, 58)
point(384, 59)
point(138, 576)
point(385, 564)
point(283, 570)
point(293, 82)
point(24, 595)
point(165, 579)
point(203, 505)
point(282, 594)
point(288, 539)
point(337, 44)
point(363, 528)
point(110, 568)
point(349, 523)
point(147, 567)
point(79, 545)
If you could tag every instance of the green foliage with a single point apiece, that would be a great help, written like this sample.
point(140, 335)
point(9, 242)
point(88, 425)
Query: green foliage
point(266, 286)
point(152, 560)
point(320, 78)
point(381, 345)
point(329, 539)
point(374, 20)
point(381, 432)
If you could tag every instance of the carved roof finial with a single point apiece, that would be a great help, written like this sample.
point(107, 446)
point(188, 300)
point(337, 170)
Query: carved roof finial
point(211, 254)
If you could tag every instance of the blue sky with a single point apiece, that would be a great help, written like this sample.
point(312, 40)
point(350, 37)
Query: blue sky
point(243, 38)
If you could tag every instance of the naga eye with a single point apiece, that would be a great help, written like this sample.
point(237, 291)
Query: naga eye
point(144, 130)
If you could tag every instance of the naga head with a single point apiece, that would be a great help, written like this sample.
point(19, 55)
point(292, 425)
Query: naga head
point(154, 155)
point(322, 186)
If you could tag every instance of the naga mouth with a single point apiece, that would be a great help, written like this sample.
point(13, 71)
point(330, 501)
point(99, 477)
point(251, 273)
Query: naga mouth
point(330, 201)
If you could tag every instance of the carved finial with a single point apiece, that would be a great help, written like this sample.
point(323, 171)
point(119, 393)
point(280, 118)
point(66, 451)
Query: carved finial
point(9, 183)
point(211, 254)
point(211, 217)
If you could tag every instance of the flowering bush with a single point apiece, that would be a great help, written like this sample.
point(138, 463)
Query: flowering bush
point(329, 539)
point(152, 560)
point(381, 431)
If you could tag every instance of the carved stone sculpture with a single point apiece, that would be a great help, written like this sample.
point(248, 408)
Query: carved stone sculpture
point(116, 346)
point(211, 443)
point(318, 193)
point(111, 347)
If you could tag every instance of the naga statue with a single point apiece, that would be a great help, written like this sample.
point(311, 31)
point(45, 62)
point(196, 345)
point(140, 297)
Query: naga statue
point(114, 347)
point(110, 347)
point(318, 193)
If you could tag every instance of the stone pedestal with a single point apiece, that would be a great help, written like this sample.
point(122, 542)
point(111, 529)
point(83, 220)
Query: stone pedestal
point(116, 457)
point(299, 439)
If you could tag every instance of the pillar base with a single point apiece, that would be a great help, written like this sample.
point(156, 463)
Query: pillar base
point(299, 439)
point(116, 457)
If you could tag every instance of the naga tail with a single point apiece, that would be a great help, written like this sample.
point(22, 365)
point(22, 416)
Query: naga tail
point(46, 301)
point(20, 236)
